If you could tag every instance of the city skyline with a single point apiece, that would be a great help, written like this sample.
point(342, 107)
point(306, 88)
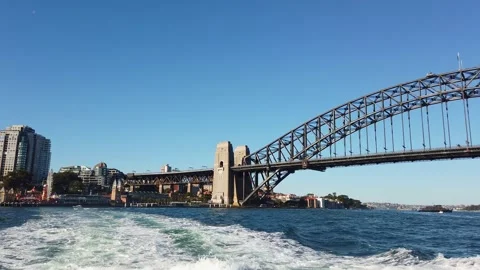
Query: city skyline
point(142, 86)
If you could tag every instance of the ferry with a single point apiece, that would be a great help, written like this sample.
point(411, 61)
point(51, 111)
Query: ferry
point(435, 209)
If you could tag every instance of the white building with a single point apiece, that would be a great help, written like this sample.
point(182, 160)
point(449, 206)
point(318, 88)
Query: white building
point(98, 176)
point(286, 197)
point(75, 169)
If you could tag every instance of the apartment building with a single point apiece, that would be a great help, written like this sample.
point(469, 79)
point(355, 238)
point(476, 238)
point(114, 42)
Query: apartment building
point(23, 149)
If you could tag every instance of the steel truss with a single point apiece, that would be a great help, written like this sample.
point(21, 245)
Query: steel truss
point(318, 137)
point(193, 177)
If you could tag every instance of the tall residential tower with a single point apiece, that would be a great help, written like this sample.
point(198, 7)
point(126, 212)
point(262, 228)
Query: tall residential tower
point(23, 149)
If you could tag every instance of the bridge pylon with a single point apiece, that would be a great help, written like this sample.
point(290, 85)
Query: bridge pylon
point(222, 193)
point(228, 187)
point(241, 187)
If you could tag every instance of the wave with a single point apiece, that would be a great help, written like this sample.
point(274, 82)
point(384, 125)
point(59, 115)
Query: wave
point(105, 239)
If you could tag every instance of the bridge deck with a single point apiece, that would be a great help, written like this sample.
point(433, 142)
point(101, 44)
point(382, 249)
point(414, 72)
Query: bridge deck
point(394, 157)
point(176, 177)
point(161, 174)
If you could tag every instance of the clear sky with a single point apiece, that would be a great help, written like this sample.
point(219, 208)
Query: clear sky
point(138, 84)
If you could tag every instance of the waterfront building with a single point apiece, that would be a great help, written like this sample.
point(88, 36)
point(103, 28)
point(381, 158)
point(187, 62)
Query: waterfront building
point(330, 204)
point(286, 197)
point(7, 195)
point(23, 149)
point(97, 176)
point(74, 199)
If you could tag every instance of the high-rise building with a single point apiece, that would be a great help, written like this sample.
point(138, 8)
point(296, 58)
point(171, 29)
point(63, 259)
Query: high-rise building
point(23, 149)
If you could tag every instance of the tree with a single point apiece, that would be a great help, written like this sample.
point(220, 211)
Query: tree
point(63, 181)
point(75, 187)
point(347, 202)
point(18, 180)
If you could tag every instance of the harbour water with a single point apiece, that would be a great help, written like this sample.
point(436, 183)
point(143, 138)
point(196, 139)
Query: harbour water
point(207, 238)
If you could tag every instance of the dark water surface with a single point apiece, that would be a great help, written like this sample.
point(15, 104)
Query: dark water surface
point(188, 238)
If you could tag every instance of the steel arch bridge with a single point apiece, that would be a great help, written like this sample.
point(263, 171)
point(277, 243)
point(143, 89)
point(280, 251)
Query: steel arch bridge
point(377, 128)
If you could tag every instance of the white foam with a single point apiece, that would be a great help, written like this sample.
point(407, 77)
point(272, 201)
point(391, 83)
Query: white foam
point(106, 239)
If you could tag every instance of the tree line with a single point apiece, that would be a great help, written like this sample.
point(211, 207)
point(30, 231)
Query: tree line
point(348, 203)
point(18, 180)
point(65, 182)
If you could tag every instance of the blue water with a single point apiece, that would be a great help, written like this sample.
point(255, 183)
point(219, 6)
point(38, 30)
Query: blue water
point(186, 238)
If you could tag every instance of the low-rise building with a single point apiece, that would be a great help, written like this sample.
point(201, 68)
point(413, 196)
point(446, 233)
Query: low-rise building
point(99, 175)
point(329, 204)
point(75, 169)
point(73, 199)
point(7, 195)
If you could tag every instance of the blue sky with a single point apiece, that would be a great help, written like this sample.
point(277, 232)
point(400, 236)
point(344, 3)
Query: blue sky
point(141, 85)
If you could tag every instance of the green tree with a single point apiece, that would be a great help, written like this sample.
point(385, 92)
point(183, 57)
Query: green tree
point(63, 181)
point(18, 180)
point(343, 198)
point(75, 187)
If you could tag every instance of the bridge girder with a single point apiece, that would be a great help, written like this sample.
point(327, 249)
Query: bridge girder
point(310, 140)
point(194, 177)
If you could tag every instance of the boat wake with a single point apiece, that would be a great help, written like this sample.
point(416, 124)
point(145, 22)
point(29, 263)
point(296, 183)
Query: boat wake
point(105, 239)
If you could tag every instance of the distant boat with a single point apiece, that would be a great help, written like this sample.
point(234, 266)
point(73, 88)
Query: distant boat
point(435, 209)
point(77, 206)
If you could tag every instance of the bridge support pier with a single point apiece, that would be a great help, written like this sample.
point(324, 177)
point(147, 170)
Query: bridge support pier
point(227, 187)
point(222, 175)
point(241, 188)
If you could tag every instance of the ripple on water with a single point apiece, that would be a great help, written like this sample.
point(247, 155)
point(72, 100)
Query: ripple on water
point(189, 239)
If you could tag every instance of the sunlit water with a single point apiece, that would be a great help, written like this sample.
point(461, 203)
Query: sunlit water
point(179, 238)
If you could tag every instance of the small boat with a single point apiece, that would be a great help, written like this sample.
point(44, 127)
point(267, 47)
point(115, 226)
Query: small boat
point(441, 212)
point(77, 206)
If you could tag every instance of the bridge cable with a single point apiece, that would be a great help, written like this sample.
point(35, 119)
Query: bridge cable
point(384, 125)
point(350, 126)
point(423, 126)
point(344, 136)
point(366, 123)
point(448, 125)
point(409, 122)
point(329, 137)
point(469, 123)
point(375, 126)
point(428, 126)
point(403, 121)
point(334, 130)
point(359, 132)
point(391, 126)
point(465, 110)
point(443, 120)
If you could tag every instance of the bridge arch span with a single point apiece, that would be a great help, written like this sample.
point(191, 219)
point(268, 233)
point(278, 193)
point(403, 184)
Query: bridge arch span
point(309, 141)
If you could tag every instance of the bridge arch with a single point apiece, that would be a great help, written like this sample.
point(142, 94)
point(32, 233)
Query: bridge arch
point(308, 140)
